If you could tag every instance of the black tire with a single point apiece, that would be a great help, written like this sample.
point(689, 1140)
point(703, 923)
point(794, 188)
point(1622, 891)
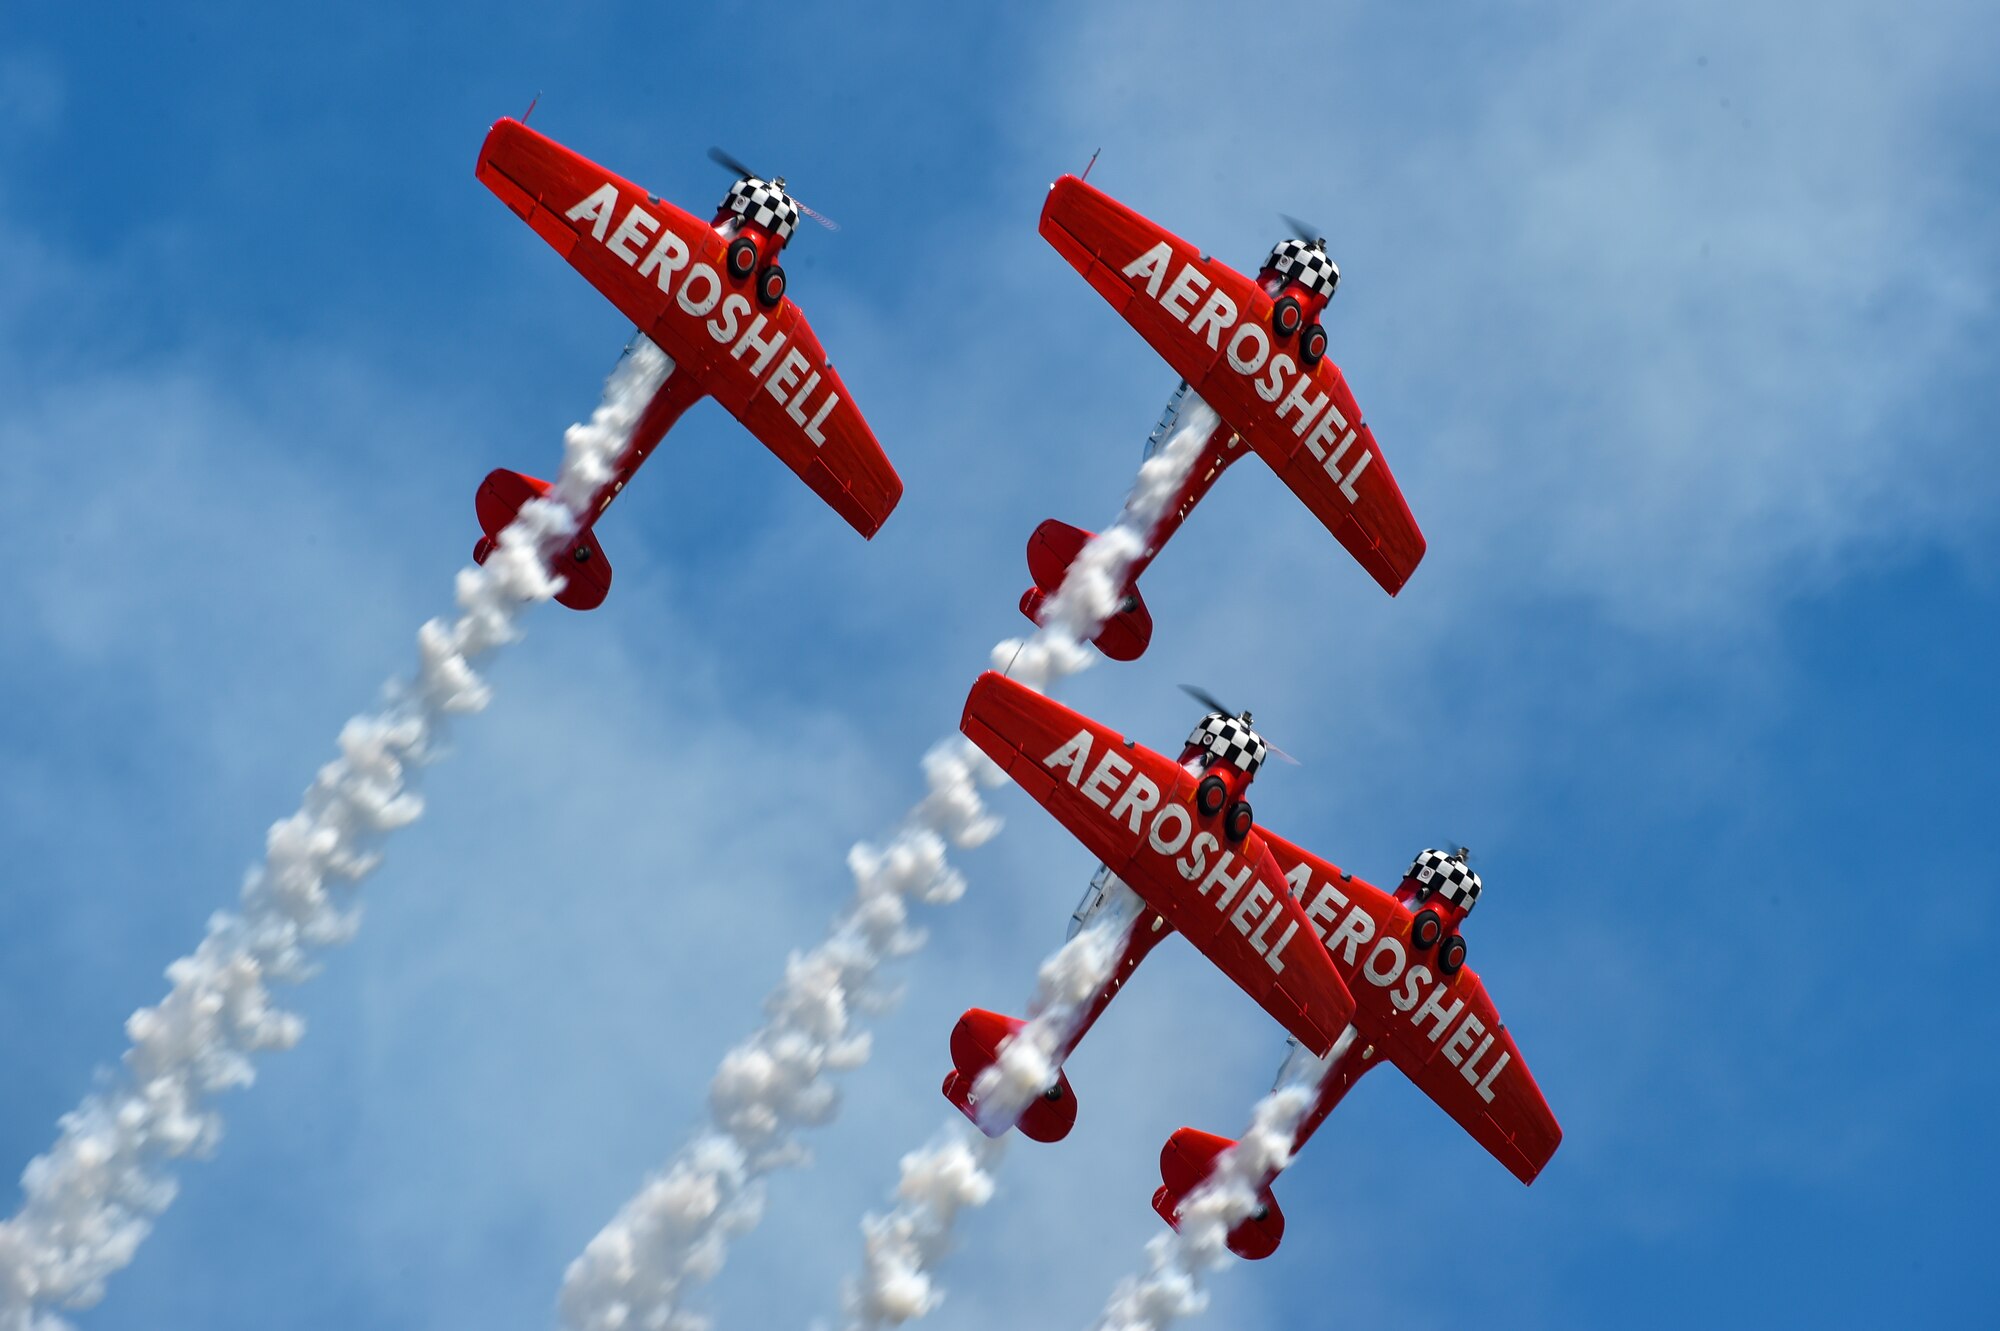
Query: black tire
point(741, 257)
point(1426, 929)
point(582, 554)
point(1451, 954)
point(1286, 316)
point(1210, 795)
point(1312, 345)
point(1054, 1094)
point(1237, 825)
point(771, 286)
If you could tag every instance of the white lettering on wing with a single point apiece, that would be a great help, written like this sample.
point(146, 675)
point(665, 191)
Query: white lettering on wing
point(1247, 349)
point(596, 209)
point(1254, 902)
point(637, 228)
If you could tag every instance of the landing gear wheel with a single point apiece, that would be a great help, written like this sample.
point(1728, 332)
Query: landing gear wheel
point(1427, 928)
point(582, 554)
point(1054, 1094)
point(1312, 345)
point(771, 286)
point(1237, 824)
point(1209, 796)
point(1286, 316)
point(742, 257)
point(1451, 954)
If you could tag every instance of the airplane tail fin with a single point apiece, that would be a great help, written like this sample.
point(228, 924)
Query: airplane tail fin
point(1185, 1162)
point(975, 1046)
point(1051, 550)
point(586, 572)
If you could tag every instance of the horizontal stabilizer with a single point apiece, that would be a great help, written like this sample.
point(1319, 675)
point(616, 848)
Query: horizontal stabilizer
point(585, 572)
point(1185, 1163)
point(975, 1046)
point(1051, 550)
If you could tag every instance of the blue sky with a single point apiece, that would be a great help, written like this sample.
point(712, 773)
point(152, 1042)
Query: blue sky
point(1675, 323)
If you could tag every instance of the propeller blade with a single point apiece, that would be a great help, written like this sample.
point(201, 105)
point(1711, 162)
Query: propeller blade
point(821, 218)
point(1305, 231)
point(721, 158)
point(1215, 704)
point(1206, 699)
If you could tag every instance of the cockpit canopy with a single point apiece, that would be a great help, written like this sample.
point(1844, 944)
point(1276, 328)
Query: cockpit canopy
point(1305, 262)
point(1445, 873)
point(765, 203)
point(1230, 739)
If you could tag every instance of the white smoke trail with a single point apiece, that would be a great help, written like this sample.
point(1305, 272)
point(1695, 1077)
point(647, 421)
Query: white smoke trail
point(1171, 1287)
point(92, 1199)
point(674, 1234)
point(901, 1248)
point(1095, 580)
point(1064, 985)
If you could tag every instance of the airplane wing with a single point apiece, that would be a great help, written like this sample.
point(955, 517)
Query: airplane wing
point(1213, 326)
point(663, 269)
point(1134, 809)
point(1444, 1035)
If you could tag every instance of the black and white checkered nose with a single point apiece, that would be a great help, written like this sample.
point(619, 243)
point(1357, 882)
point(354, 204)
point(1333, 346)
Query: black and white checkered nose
point(1231, 740)
point(1307, 264)
point(764, 203)
point(1449, 876)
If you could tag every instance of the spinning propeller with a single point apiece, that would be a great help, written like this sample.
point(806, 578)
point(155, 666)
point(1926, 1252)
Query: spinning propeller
point(1305, 231)
point(1214, 704)
point(733, 163)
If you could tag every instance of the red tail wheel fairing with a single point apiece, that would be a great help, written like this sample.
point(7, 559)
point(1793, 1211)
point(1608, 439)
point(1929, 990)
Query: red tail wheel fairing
point(1214, 326)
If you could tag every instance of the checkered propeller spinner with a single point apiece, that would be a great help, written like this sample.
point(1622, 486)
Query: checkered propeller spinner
point(1254, 350)
point(1319, 949)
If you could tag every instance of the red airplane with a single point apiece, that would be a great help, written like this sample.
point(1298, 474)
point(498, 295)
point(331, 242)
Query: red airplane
point(1318, 948)
point(1254, 350)
point(712, 296)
